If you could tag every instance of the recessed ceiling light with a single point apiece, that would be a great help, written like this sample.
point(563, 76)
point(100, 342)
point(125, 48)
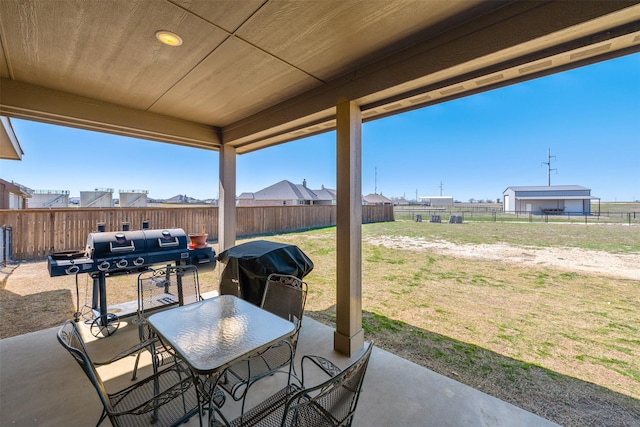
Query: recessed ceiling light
point(169, 38)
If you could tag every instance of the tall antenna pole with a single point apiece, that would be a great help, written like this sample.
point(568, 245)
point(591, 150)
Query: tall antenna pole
point(440, 188)
point(375, 189)
point(548, 163)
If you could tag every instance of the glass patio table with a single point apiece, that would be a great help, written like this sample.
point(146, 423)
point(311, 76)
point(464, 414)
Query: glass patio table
point(212, 334)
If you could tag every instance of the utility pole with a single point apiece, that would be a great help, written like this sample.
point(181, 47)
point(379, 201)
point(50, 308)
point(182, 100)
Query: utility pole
point(548, 163)
point(416, 194)
point(441, 188)
point(375, 185)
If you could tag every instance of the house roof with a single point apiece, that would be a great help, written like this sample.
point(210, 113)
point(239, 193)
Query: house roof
point(325, 194)
point(15, 188)
point(287, 190)
point(255, 73)
point(10, 148)
point(376, 198)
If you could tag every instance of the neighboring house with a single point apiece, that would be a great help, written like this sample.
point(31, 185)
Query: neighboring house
point(437, 201)
point(286, 193)
point(551, 199)
point(181, 199)
point(13, 196)
point(376, 199)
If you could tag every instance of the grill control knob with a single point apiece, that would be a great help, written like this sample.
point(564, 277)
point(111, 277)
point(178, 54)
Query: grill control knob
point(104, 266)
point(138, 261)
point(122, 263)
point(72, 270)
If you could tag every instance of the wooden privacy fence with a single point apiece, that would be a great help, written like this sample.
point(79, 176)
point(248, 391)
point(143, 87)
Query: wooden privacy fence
point(37, 233)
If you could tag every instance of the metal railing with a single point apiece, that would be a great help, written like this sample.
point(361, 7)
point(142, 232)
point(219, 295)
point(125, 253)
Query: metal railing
point(494, 215)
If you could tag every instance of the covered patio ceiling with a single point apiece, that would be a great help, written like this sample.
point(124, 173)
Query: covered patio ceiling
point(255, 73)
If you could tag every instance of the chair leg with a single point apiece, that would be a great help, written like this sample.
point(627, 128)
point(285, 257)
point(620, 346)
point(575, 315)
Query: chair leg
point(102, 417)
point(135, 367)
point(156, 388)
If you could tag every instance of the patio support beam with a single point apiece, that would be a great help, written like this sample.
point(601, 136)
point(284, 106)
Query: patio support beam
point(31, 102)
point(227, 199)
point(349, 337)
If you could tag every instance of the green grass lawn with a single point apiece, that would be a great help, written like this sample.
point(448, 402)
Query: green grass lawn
point(524, 333)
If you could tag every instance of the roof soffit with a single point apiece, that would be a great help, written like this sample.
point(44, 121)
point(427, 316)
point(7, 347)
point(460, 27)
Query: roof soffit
point(462, 61)
point(260, 72)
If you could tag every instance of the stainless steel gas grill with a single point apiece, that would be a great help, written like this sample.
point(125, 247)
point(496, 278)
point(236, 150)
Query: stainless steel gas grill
point(124, 252)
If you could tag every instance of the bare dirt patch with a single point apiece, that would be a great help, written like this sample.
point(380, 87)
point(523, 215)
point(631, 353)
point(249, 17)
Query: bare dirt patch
point(625, 266)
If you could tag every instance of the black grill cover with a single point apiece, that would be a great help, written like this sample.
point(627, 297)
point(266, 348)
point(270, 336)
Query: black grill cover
point(248, 265)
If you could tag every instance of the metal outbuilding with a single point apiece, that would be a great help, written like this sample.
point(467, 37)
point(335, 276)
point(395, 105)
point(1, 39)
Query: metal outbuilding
point(552, 199)
point(437, 201)
point(133, 198)
point(100, 198)
point(49, 199)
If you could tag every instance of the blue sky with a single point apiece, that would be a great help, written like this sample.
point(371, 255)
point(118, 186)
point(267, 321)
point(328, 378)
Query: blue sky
point(476, 147)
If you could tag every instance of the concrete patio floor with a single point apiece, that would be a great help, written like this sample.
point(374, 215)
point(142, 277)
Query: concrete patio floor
point(41, 385)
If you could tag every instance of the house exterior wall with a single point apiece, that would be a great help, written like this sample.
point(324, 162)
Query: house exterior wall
point(16, 201)
point(11, 197)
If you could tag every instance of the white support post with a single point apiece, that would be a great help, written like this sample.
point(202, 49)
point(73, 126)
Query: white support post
point(227, 201)
point(349, 337)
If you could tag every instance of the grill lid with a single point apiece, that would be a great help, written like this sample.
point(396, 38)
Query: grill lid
point(110, 244)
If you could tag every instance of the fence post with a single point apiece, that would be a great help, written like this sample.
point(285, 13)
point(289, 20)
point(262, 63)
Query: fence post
point(5, 245)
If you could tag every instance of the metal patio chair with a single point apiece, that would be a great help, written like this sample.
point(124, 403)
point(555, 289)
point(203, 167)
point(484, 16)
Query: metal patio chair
point(284, 296)
point(161, 288)
point(166, 398)
point(331, 403)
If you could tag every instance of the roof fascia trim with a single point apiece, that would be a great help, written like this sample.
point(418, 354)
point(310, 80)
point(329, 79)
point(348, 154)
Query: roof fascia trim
point(30, 102)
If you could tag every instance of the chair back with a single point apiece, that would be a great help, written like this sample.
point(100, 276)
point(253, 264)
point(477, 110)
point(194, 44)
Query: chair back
point(70, 338)
point(163, 287)
point(332, 403)
point(285, 296)
point(166, 286)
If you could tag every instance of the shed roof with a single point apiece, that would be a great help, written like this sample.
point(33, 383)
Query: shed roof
point(548, 188)
point(558, 198)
